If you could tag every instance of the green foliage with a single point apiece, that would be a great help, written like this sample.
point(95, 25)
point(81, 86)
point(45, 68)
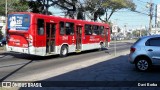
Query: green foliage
point(138, 33)
point(96, 8)
point(107, 7)
point(118, 4)
point(69, 6)
point(37, 6)
point(13, 6)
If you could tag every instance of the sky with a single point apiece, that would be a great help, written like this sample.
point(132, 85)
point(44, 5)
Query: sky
point(132, 20)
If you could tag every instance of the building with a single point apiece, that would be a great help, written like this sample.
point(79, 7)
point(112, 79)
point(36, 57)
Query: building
point(155, 31)
point(2, 24)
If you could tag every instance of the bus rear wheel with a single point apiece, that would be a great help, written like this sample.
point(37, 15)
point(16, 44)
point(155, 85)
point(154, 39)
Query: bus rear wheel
point(64, 51)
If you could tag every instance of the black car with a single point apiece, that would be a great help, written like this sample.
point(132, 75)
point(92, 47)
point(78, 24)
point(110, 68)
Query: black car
point(2, 42)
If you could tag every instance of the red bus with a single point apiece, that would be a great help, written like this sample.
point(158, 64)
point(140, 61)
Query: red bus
point(45, 35)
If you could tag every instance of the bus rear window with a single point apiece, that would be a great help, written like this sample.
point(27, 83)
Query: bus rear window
point(18, 21)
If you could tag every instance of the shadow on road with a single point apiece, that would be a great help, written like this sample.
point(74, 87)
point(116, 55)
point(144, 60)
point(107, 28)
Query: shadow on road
point(117, 70)
point(39, 58)
point(8, 75)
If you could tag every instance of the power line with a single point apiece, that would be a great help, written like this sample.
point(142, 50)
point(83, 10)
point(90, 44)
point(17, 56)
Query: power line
point(141, 13)
point(142, 1)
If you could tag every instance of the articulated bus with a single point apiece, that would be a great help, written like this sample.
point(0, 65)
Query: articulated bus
point(45, 35)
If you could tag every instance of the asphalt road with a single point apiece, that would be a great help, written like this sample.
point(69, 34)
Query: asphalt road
point(14, 66)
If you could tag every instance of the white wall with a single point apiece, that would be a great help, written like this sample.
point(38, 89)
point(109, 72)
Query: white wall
point(2, 24)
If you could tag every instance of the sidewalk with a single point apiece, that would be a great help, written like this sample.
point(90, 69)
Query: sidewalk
point(133, 40)
point(2, 50)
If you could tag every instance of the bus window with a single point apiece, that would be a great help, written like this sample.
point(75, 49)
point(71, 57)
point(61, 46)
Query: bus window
point(101, 30)
point(62, 30)
point(69, 28)
point(88, 30)
point(53, 31)
point(95, 30)
point(40, 28)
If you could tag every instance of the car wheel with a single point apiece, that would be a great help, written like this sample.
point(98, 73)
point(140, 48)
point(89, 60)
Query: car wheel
point(64, 51)
point(143, 64)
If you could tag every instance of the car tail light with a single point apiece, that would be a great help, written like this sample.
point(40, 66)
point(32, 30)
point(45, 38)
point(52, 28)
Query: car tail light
point(132, 50)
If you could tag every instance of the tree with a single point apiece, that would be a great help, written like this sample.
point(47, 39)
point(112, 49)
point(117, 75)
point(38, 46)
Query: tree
point(38, 6)
point(69, 6)
point(100, 8)
point(13, 6)
point(41, 6)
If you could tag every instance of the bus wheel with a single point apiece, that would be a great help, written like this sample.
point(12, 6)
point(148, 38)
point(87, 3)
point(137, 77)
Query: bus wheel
point(64, 51)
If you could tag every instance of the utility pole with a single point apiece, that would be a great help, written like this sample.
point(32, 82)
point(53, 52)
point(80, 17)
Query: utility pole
point(115, 30)
point(150, 15)
point(6, 13)
point(6, 7)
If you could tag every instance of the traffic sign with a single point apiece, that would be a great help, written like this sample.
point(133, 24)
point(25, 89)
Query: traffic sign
point(114, 28)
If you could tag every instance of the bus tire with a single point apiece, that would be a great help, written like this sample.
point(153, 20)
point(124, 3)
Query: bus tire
point(64, 51)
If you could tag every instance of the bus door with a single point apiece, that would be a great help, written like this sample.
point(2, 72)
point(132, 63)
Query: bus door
point(78, 38)
point(50, 37)
point(40, 37)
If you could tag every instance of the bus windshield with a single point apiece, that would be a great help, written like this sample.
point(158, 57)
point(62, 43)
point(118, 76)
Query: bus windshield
point(18, 21)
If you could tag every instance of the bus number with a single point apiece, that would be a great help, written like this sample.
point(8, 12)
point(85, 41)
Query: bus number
point(19, 22)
